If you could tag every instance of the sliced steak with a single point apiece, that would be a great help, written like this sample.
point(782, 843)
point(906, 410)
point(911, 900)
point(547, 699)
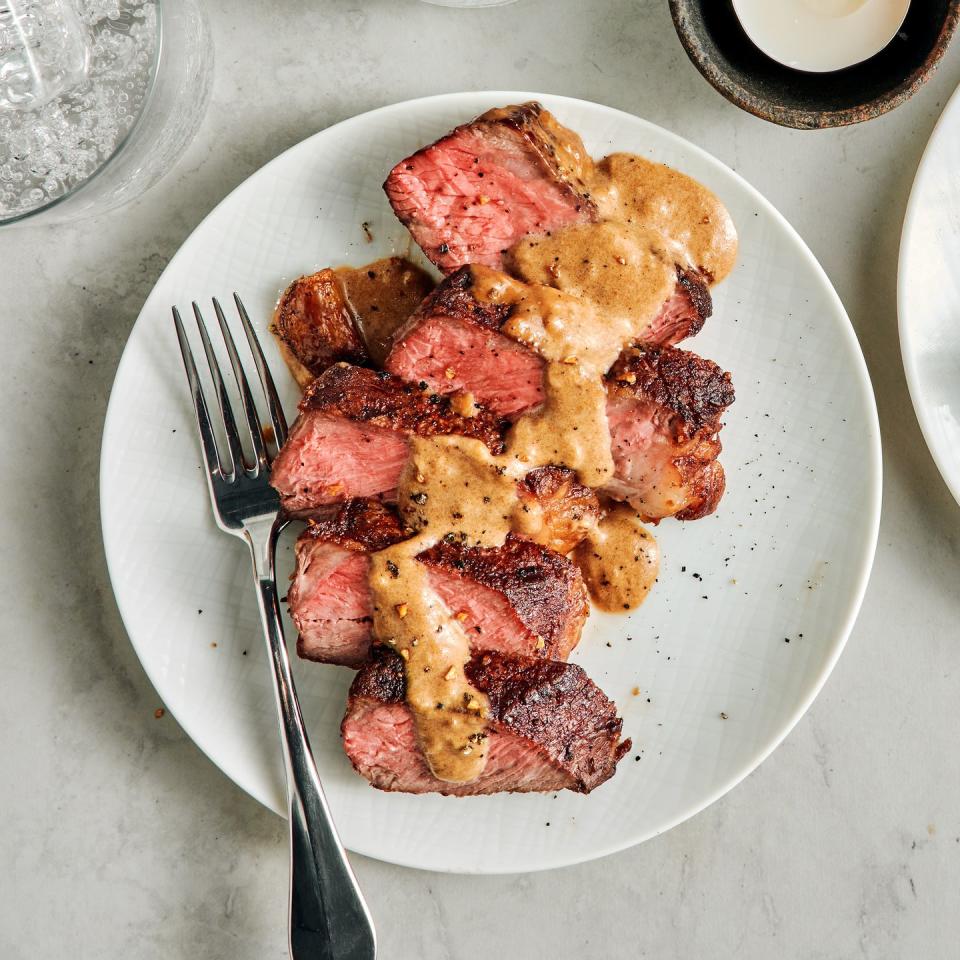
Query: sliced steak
point(453, 343)
point(350, 439)
point(345, 314)
point(684, 314)
point(362, 525)
point(512, 172)
point(329, 596)
point(315, 327)
point(518, 598)
point(329, 602)
point(551, 728)
point(533, 601)
point(558, 510)
point(664, 407)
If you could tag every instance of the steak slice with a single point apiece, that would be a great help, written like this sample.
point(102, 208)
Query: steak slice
point(664, 407)
point(345, 314)
point(518, 598)
point(363, 525)
point(512, 172)
point(329, 596)
point(533, 601)
point(551, 728)
point(315, 327)
point(453, 343)
point(684, 314)
point(329, 602)
point(558, 511)
point(350, 439)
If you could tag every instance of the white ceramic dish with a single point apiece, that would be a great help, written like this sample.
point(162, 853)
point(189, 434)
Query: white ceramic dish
point(928, 294)
point(786, 557)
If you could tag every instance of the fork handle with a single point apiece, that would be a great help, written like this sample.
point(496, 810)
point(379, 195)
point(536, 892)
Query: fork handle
point(329, 919)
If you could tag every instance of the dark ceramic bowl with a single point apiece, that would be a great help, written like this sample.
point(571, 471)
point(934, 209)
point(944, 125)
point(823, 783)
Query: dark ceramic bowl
point(722, 52)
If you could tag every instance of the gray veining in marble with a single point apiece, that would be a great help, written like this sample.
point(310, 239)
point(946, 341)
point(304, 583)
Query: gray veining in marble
point(119, 839)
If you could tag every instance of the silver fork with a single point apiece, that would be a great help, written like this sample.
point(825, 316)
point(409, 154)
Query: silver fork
point(329, 919)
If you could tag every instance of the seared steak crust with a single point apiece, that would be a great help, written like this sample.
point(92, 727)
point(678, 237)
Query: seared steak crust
point(545, 589)
point(664, 407)
point(382, 400)
point(559, 149)
point(544, 715)
point(695, 389)
point(382, 678)
point(315, 326)
point(361, 524)
point(706, 482)
point(557, 706)
point(693, 287)
point(453, 299)
point(565, 508)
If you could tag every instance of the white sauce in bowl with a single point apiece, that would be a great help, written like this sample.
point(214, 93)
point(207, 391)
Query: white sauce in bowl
point(821, 35)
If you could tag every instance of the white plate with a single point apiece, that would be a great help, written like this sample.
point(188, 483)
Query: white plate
point(928, 294)
point(787, 555)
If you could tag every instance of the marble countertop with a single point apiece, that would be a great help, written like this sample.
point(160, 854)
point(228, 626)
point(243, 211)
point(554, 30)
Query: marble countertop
point(118, 838)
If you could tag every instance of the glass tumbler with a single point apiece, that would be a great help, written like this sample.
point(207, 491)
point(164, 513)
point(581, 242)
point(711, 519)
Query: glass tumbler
point(98, 99)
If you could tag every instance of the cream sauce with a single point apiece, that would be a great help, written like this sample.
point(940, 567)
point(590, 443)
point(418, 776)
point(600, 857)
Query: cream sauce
point(625, 271)
point(455, 485)
point(591, 290)
point(382, 296)
point(619, 560)
point(450, 715)
point(450, 485)
point(631, 189)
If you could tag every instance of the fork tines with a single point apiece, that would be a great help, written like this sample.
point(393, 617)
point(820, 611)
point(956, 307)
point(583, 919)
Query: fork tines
point(217, 468)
